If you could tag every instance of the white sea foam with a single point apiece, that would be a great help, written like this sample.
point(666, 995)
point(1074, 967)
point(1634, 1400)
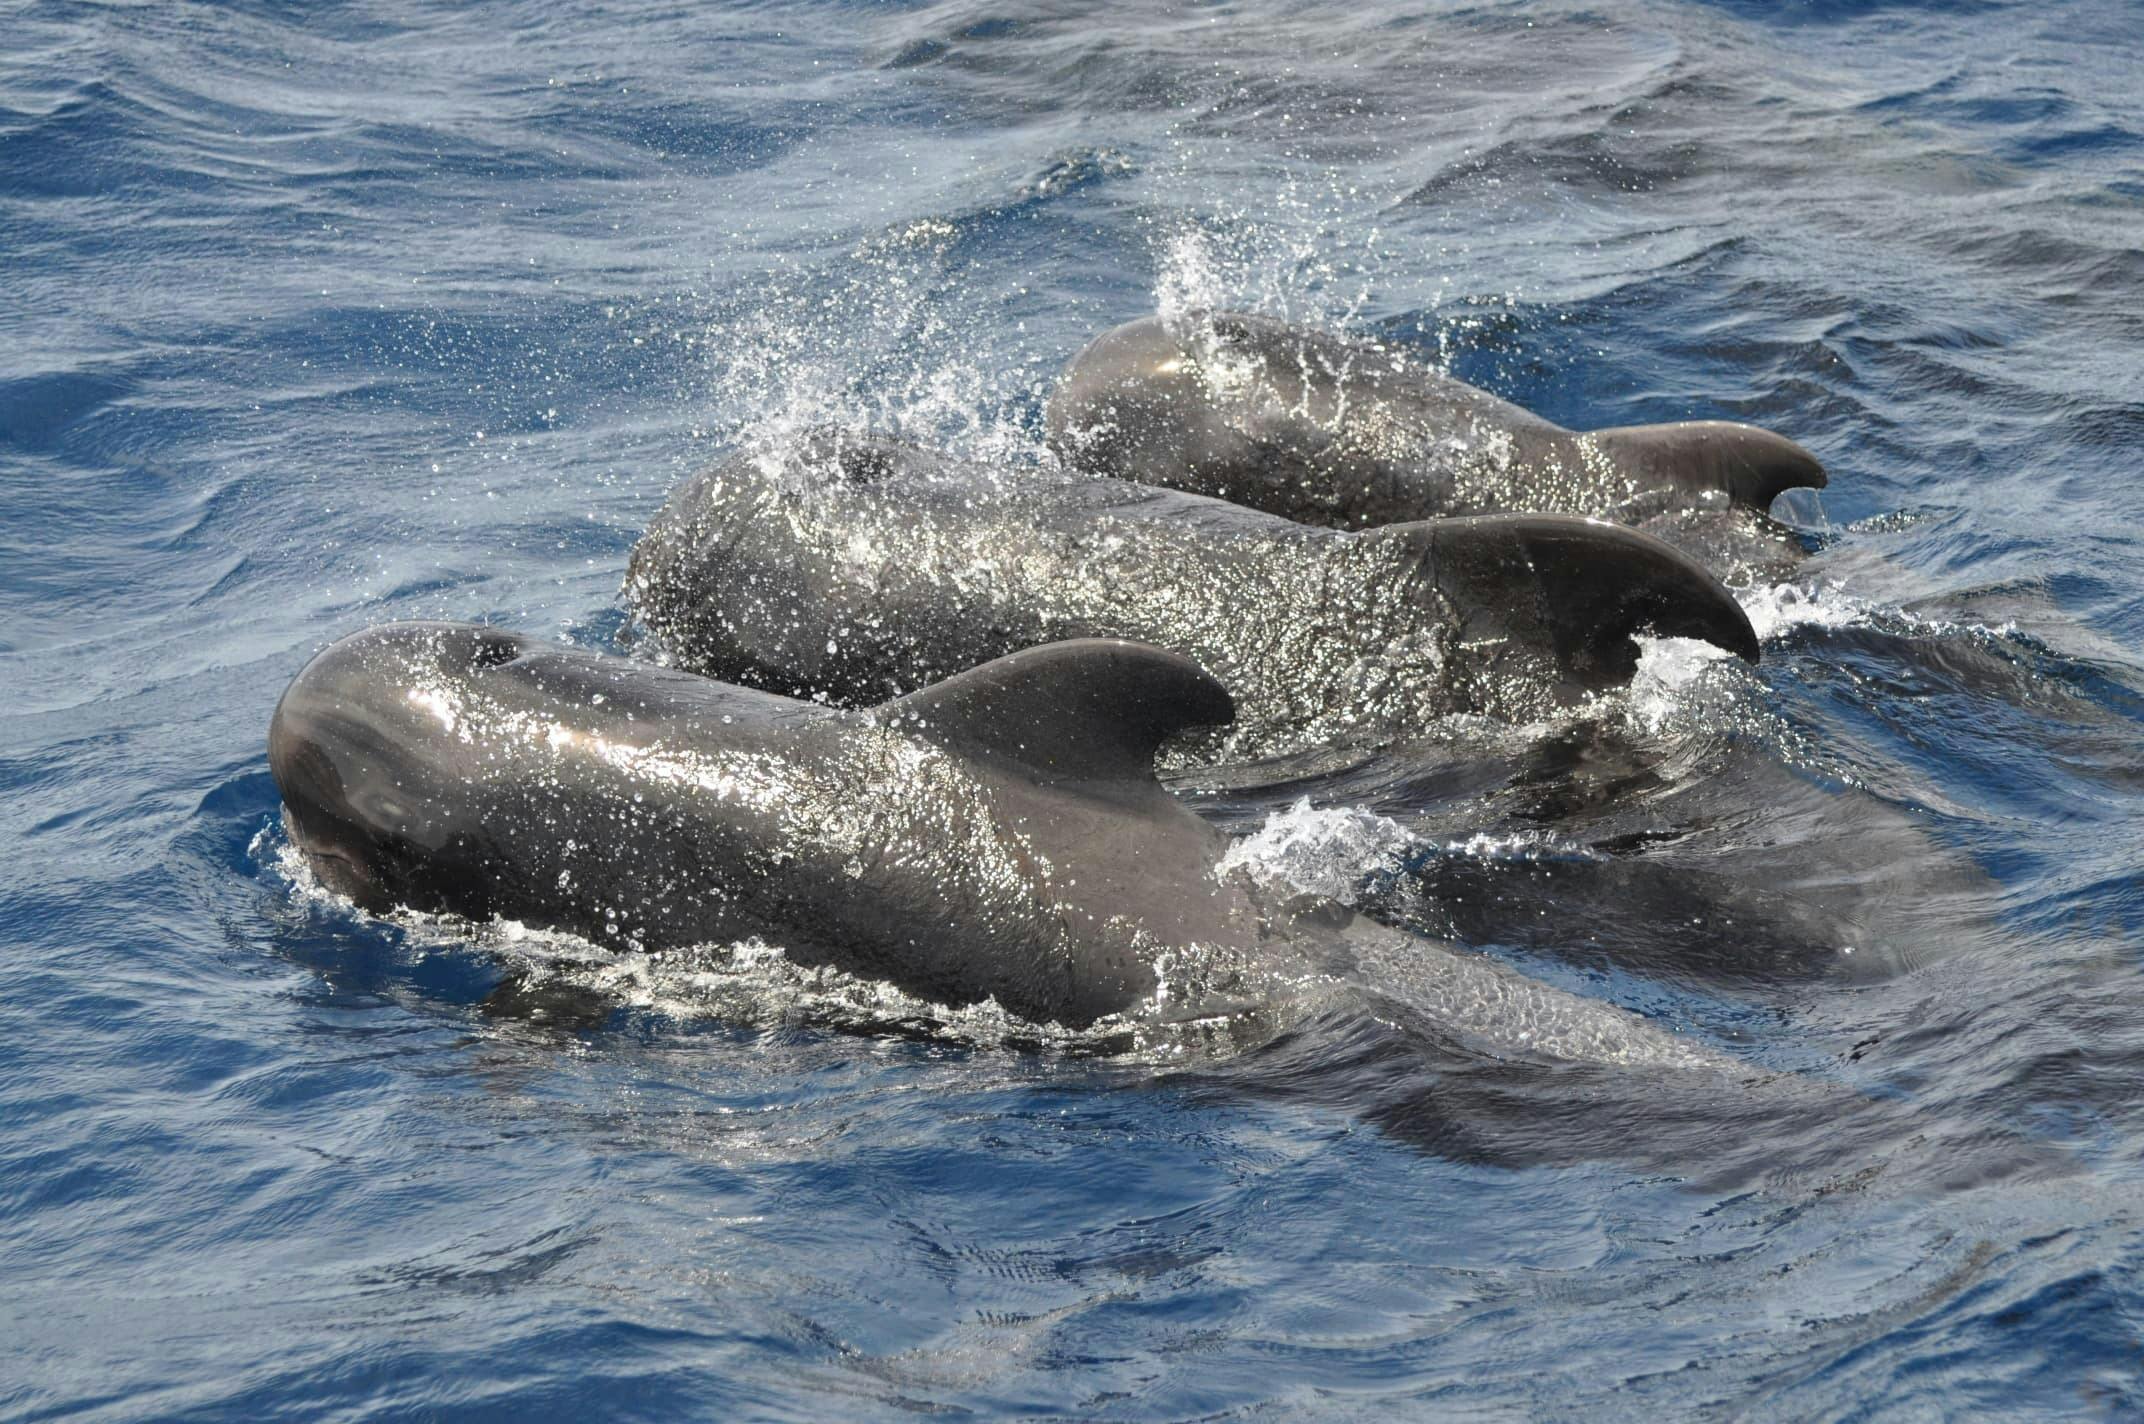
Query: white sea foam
point(1775, 608)
point(1328, 851)
point(1675, 675)
point(1669, 672)
point(1780, 608)
point(869, 343)
point(1190, 279)
point(1516, 846)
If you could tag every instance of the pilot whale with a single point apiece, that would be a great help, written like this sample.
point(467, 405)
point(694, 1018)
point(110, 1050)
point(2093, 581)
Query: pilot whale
point(1350, 433)
point(853, 566)
point(999, 835)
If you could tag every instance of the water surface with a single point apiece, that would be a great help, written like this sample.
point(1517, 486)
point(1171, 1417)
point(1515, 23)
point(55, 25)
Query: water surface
point(317, 320)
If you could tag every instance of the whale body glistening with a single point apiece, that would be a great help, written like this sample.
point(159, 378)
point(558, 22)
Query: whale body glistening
point(856, 566)
point(1352, 433)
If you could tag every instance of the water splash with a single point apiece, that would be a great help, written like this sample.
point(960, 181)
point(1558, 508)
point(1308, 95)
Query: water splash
point(870, 339)
point(1326, 851)
point(1776, 609)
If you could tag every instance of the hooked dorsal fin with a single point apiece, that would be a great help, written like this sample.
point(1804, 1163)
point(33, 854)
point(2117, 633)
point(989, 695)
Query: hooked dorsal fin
point(1575, 590)
point(1091, 709)
point(1752, 466)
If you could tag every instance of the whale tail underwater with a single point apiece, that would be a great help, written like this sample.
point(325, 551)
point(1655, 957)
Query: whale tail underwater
point(1326, 430)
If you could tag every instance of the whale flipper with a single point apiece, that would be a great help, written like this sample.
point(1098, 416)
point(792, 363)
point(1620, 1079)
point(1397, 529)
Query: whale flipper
point(1091, 709)
point(1576, 590)
point(1751, 466)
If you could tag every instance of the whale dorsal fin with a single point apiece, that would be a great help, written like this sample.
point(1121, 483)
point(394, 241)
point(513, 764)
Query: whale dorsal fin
point(1751, 466)
point(1574, 590)
point(1092, 709)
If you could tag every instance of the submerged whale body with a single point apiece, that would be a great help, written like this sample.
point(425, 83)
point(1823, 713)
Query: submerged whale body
point(852, 567)
point(998, 835)
point(1349, 433)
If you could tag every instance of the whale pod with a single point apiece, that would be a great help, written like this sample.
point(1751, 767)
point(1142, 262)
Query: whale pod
point(851, 567)
point(997, 835)
point(1350, 433)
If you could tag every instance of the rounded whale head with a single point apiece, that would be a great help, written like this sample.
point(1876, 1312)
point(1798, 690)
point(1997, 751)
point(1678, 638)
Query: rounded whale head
point(1138, 403)
point(363, 746)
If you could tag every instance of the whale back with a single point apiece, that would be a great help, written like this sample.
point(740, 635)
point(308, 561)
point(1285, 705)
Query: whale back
point(1295, 421)
point(1347, 432)
point(1000, 836)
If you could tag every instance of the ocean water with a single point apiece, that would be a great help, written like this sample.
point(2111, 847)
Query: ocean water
point(318, 318)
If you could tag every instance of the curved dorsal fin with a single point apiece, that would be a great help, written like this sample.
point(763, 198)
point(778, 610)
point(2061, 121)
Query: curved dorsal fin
point(1752, 466)
point(1573, 589)
point(1093, 709)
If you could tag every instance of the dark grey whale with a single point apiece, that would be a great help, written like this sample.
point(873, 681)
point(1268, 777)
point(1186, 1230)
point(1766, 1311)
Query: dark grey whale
point(853, 567)
point(1000, 834)
point(1350, 433)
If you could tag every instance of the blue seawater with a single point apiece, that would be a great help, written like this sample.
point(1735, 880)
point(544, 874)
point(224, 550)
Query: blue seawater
point(313, 317)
